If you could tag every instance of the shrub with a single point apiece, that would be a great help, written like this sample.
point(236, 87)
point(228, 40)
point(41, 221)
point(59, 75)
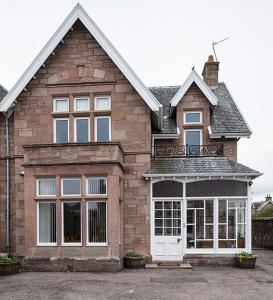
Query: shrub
point(7, 260)
point(243, 255)
point(134, 255)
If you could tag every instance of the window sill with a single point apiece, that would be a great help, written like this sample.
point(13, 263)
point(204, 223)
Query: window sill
point(96, 245)
point(46, 245)
point(61, 114)
point(71, 245)
point(102, 112)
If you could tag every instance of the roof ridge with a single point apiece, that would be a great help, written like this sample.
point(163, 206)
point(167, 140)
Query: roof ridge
point(163, 86)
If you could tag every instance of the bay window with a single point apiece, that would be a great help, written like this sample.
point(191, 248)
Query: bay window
point(71, 216)
point(46, 224)
point(96, 220)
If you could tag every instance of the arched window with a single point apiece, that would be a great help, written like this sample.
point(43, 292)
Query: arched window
point(167, 188)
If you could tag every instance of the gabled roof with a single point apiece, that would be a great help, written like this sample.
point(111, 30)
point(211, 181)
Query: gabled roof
point(79, 13)
point(194, 77)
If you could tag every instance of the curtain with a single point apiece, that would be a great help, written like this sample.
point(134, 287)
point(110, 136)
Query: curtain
point(47, 222)
point(47, 187)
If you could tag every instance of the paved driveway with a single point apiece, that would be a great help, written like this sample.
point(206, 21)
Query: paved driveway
point(199, 283)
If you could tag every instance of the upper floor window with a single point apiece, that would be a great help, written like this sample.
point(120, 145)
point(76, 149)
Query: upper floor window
point(192, 117)
point(81, 130)
point(46, 187)
point(102, 129)
point(102, 103)
point(192, 141)
point(61, 105)
point(71, 186)
point(61, 130)
point(96, 186)
point(81, 104)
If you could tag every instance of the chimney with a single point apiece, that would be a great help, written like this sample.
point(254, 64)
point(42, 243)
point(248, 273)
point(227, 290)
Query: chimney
point(268, 197)
point(210, 72)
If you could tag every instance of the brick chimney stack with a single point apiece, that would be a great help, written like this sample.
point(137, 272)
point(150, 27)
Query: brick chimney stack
point(268, 197)
point(210, 72)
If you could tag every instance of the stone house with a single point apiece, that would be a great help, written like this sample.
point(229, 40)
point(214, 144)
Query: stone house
point(93, 163)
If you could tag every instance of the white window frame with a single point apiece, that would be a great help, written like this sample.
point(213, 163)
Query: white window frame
point(193, 123)
point(75, 128)
point(38, 225)
point(70, 244)
point(87, 223)
point(102, 97)
point(96, 177)
point(45, 179)
point(201, 137)
point(54, 128)
point(95, 127)
point(71, 178)
point(81, 98)
point(55, 106)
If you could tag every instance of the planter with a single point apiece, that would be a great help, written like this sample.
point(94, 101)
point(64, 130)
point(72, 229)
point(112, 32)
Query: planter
point(245, 263)
point(9, 269)
point(133, 263)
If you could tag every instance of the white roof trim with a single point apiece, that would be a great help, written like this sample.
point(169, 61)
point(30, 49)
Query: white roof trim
point(79, 13)
point(235, 175)
point(194, 77)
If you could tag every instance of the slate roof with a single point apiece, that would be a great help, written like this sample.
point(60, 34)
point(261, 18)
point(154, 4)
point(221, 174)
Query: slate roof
point(226, 117)
point(164, 95)
point(199, 165)
point(3, 92)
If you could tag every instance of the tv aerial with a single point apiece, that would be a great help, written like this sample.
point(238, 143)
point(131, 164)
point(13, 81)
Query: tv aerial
point(214, 44)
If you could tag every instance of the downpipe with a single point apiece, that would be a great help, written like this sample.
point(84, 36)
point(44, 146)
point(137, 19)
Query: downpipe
point(7, 180)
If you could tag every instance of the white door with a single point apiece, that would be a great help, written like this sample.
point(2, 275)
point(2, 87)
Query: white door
point(166, 243)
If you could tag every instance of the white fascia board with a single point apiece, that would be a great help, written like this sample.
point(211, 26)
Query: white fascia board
point(166, 135)
point(79, 13)
point(229, 135)
point(207, 175)
point(194, 77)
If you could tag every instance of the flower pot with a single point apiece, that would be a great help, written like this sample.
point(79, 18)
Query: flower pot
point(134, 263)
point(9, 269)
point(245, 263)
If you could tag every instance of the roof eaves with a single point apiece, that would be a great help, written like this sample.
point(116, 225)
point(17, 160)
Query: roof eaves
point(79, 13)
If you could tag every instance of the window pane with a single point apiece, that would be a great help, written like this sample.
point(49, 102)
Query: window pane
point(61, 105)
point(209, 211)
point(231, 223)
point(222, 211)
point(190, 216)
point(195, 203)
point(82, 128)
point(97, 222)
point(192, 137)
point(193, 117)
point(241, 233)
point(209, 232)
point(168, 188)
point(82, 104)
point(103, 134)
point(222, 231)
point(72, 222)
point(46, 187)
point(61, 131)
point(71, 186)
point(200, 224)
point(227, 244)
point(47, 223)
point(96, 186)
point(102, 103)
point(190, 236)
point(204, 244)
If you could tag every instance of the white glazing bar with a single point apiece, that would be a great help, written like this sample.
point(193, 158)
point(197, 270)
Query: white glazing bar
point(248, 220)
point(215, 222)
point(184, 219)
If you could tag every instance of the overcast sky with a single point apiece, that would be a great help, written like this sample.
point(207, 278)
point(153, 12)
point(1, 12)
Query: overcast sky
point(162, 40)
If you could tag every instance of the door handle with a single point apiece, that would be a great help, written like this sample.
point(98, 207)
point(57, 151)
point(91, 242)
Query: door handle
point(178, 240)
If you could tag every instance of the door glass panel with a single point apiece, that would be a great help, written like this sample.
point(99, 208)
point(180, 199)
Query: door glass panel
point(167, 218)
point(190, 236)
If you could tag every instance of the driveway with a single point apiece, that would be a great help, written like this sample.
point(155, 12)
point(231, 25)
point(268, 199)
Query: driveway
point(200, 283)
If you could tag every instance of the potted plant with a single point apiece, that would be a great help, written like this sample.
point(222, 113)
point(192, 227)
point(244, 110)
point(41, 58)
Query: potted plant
point(134, 260)
point(8, 265)
point(245, 260)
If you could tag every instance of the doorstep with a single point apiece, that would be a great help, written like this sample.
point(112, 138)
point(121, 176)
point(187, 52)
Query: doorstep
point(169, 265)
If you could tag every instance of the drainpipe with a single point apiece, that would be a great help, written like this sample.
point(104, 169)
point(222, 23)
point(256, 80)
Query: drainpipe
point(7, 178)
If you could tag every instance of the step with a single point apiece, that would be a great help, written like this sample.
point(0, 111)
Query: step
point(169, 265)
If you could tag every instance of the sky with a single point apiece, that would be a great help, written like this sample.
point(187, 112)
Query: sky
point(162, 40)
